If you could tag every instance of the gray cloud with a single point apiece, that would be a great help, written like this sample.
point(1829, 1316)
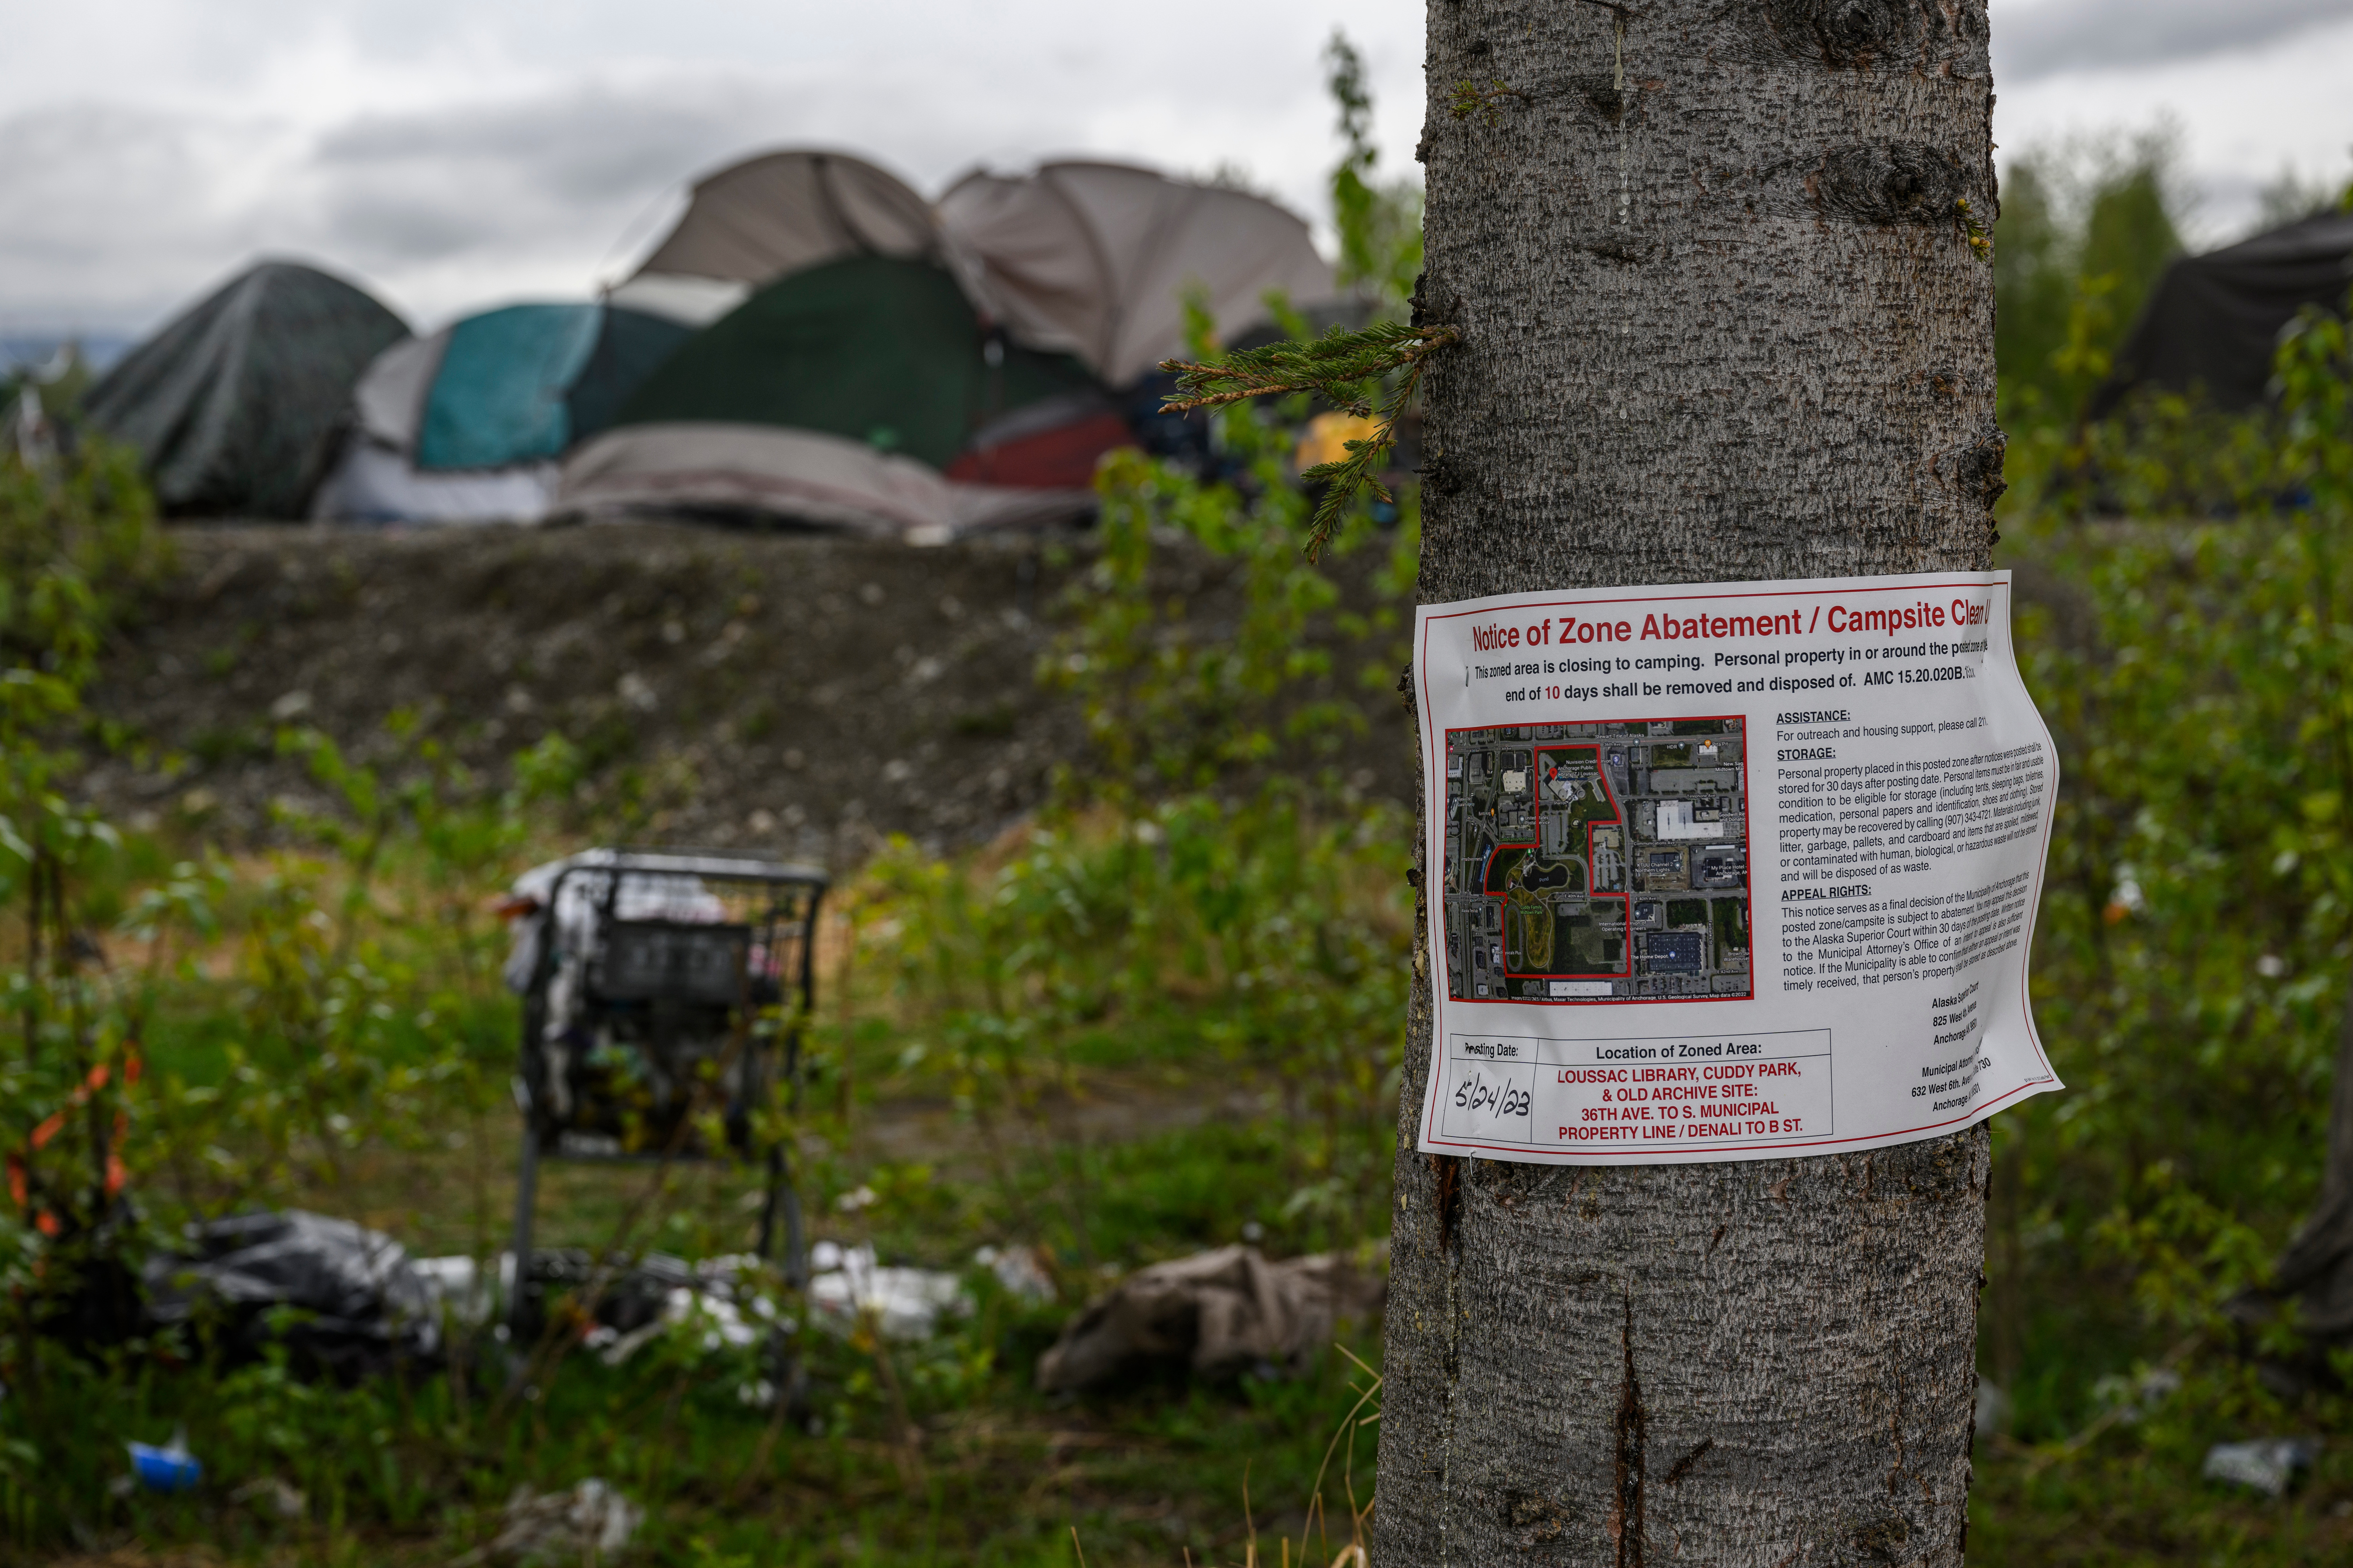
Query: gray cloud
point(108, 214)
point(451, 156)
point(557, 176)
point(2108, 35)
point(110, 218)
point(589, 145)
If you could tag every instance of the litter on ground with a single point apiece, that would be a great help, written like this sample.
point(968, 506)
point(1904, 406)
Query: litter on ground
point(169, 1468)
point(2269, 1465)
point(848, 1286)
point(590, 1524)
point(1215, 1314)
point(1017, 1271)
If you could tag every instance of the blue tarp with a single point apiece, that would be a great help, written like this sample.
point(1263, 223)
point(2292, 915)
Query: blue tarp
point(502, 393)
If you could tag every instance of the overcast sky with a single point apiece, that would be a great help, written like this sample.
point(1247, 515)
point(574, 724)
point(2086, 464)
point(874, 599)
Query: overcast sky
point(454, 155)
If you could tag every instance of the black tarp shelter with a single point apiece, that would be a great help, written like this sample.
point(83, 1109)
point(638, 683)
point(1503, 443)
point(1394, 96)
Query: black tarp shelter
point(2214, 321)
point(234, 407)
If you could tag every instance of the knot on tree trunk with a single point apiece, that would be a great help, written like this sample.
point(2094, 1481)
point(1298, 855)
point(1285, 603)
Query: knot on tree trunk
point(1979, 470)
point(1846, 32)
point(1888, 182)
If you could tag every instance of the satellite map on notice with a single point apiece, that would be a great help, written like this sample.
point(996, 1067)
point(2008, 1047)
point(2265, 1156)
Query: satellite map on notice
point(1597, 862)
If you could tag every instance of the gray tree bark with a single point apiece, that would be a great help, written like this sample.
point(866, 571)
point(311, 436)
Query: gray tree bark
point(1721, 319)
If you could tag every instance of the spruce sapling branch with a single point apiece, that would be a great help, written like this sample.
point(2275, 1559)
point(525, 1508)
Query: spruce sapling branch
point(1335, 366)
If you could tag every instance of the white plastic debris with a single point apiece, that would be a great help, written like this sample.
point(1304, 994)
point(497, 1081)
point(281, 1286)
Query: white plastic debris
point(2269, 1465)
point(2133, 1397)
point(1993, 1408)
point(274, 1494)
point(717, 1323)
point(590, 1523)
point(457, 1286)
point(904, 1303)
point(1017, 1270)
point(720, 1322)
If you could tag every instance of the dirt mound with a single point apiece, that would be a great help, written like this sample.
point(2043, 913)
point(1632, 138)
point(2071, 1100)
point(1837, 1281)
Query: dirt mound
point(797, 692)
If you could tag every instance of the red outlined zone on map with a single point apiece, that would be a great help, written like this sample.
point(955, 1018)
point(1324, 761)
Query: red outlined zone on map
point(1624, 897)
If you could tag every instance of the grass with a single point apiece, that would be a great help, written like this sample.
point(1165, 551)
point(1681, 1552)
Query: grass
point(1145, 1143)
point(1104, 1105)
point(1169, 1160)
point(2138, 1498)
point(997, 1475)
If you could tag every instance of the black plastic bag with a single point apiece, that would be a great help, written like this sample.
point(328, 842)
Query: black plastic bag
point(361, 1306)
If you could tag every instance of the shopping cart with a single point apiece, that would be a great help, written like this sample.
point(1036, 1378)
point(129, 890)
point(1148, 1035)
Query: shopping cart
point(661, 989)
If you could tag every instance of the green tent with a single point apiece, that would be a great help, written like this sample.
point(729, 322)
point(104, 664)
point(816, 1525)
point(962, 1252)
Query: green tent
point(234, 407)
point(880, 350)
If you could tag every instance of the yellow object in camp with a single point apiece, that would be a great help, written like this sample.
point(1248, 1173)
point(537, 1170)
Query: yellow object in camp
point(1327, 439)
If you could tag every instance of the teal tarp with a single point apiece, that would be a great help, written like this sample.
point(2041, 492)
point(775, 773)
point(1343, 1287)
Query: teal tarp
point(529, 382)
point(499, 397)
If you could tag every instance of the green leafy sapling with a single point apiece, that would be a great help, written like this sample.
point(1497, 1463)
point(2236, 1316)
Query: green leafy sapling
point(1379, 229)
point(1344, 368)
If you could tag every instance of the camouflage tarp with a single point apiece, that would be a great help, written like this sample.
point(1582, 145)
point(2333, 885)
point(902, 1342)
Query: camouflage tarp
point(234, 406)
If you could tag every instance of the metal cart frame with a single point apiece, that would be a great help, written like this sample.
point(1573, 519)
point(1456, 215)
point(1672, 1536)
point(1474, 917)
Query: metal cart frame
point(664, 965)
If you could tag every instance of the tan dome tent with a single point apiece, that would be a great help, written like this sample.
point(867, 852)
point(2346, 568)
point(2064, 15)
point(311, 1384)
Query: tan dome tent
point(773, 216)
point(1095, 259)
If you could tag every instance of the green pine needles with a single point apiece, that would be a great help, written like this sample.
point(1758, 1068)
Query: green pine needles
point(1345, 369)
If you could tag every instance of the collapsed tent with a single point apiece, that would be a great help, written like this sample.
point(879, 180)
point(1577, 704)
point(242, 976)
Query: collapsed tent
point(234, 407)
point(878, 350)
point(1215, 1314)
point(773, 215)
point(1097, 259)
point(804, 477)
point(863, 394)
point(981, 343)
point(468, 425)
point(2214, 321)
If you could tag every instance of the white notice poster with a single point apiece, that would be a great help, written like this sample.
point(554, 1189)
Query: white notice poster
point(1729, 871)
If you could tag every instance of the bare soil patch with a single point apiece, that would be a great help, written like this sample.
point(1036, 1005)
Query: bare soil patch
point(802, 692)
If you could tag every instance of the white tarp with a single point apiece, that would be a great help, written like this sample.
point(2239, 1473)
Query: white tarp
point(768, 217)
point(375, 478)
point(802, 476)
point(371, 483)
point(388, 404)
point(1095, 259)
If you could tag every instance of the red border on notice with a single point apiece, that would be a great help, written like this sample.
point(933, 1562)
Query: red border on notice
point(1439, 1001)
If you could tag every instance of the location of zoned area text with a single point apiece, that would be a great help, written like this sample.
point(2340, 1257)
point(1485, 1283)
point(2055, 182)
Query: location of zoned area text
point(1708, 864)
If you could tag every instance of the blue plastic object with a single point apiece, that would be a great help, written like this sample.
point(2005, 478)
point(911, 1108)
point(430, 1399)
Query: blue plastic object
point(172, 1469)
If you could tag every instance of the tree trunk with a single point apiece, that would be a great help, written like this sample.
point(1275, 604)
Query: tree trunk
point(1722, 317)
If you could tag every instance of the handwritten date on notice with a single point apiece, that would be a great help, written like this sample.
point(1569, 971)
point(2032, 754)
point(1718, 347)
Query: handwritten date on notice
point(1478, 1097)
point(1609, 1093)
